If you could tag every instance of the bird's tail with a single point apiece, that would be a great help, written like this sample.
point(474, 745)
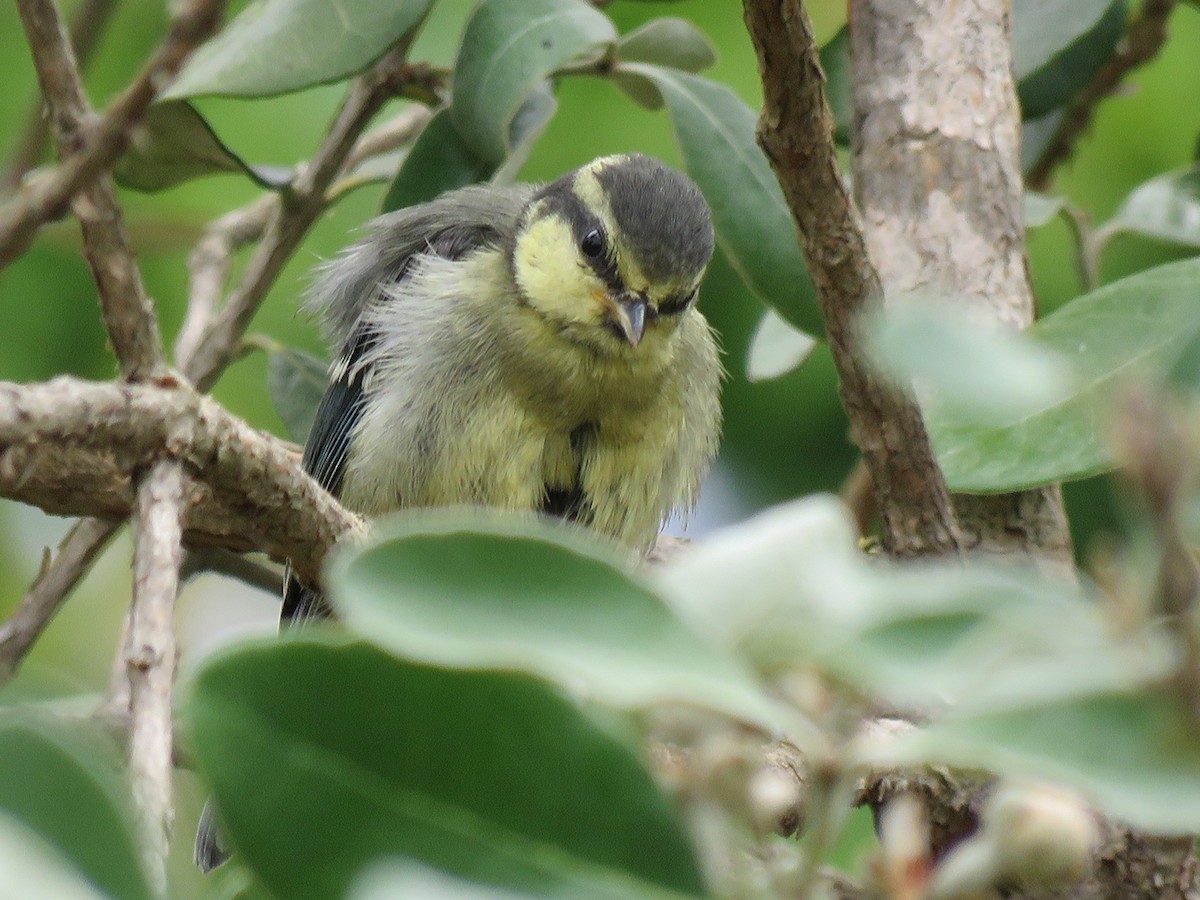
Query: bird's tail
point(209, 852)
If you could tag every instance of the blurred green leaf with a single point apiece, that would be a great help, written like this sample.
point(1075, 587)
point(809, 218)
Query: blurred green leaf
point(1166, 207)
point(33, 868)
point(296, 382)
point(1134, 754)
point(1041, 209)
point(480, 591)
point(965, 367)
point(754, 226)
point(174, 144)
point(790, 588)
point(835, 61)
point(278, 46)
point(1036, 136)
point(1058, 45)
point(509, 48)
point(325, 755)
point(439, 161)
point(776, 348)
point(1132, 329)
point(668, 41)
point(66, 786)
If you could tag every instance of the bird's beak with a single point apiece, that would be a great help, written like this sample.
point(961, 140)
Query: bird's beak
point(629, 312)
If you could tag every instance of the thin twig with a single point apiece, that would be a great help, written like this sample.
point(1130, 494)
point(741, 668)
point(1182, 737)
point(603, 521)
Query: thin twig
point(87, 147)
point(1143, 39)
point(209, 263)
point(267, 577)
point(796, 133)
point(76, 553)
point(218, 345)
point(389, 136)
point(150, 657)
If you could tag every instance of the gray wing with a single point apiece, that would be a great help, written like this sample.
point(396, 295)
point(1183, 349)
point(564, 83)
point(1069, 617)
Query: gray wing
point(450, 227)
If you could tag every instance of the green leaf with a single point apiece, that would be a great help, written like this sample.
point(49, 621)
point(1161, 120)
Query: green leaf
point(776, 348)
point(835, 61)
point(278, 46)
point(1132, 753)
point(439, 161)
point(34, 868)
point(174, 144)
point(1132, 329)
point(67, 788)
point(325, 755)
point(509, 48)
point(1037, 135)
point(1166, 208)
point(372, 170)
point(296, 382)
point(669, 41)
point(715, 130)
point(484, 591)
point(1058, 45)
point(954, 359)
point(1042, 209)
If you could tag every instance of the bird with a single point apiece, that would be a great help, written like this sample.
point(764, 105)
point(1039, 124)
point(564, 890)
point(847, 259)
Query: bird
point(527, 347)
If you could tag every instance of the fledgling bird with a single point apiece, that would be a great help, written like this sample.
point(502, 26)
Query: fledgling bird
point(529, 347)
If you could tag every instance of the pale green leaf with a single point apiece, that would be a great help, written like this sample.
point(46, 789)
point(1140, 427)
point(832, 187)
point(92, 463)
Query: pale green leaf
point(33, 868)
point(1059, 44)
point(669, 41)
point(1041, 209)
point(277, 46)
point(776, 348)
point(173, 144)
point(475, 590)
point(1134, 329)
point(509, 48)
point(1166, 208)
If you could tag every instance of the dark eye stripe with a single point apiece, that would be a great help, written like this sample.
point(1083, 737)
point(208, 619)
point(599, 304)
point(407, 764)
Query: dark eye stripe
point(675, 305)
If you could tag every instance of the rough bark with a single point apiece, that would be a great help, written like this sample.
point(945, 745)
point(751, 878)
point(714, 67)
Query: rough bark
point(936, 159)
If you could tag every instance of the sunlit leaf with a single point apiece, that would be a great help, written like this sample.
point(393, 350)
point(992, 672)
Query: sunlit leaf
point(326, 755)
point(1041, 209)
point(1133, 329)
point(66, 787)
point(1058, 45)
point(477, 591)
point(174, 144)
point(754, 227)
point(509, 48)
point(296, 382)
point(672, 42)
point(1166, 207)
point(776, 348)
point(277, 46)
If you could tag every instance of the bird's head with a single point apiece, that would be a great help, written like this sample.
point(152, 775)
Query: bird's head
point(612, 253)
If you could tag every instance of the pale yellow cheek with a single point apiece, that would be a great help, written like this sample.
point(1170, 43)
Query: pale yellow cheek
point(549, 272)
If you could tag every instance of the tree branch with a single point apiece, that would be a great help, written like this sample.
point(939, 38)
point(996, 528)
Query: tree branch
point(150, 657)
point(1143, 39)
point(88, 148)
point(76, 553)
point(75, 448)
point(88, 23)
point(796, 133)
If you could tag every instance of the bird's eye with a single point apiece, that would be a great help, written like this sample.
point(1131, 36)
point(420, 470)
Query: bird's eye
point(592, 243)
